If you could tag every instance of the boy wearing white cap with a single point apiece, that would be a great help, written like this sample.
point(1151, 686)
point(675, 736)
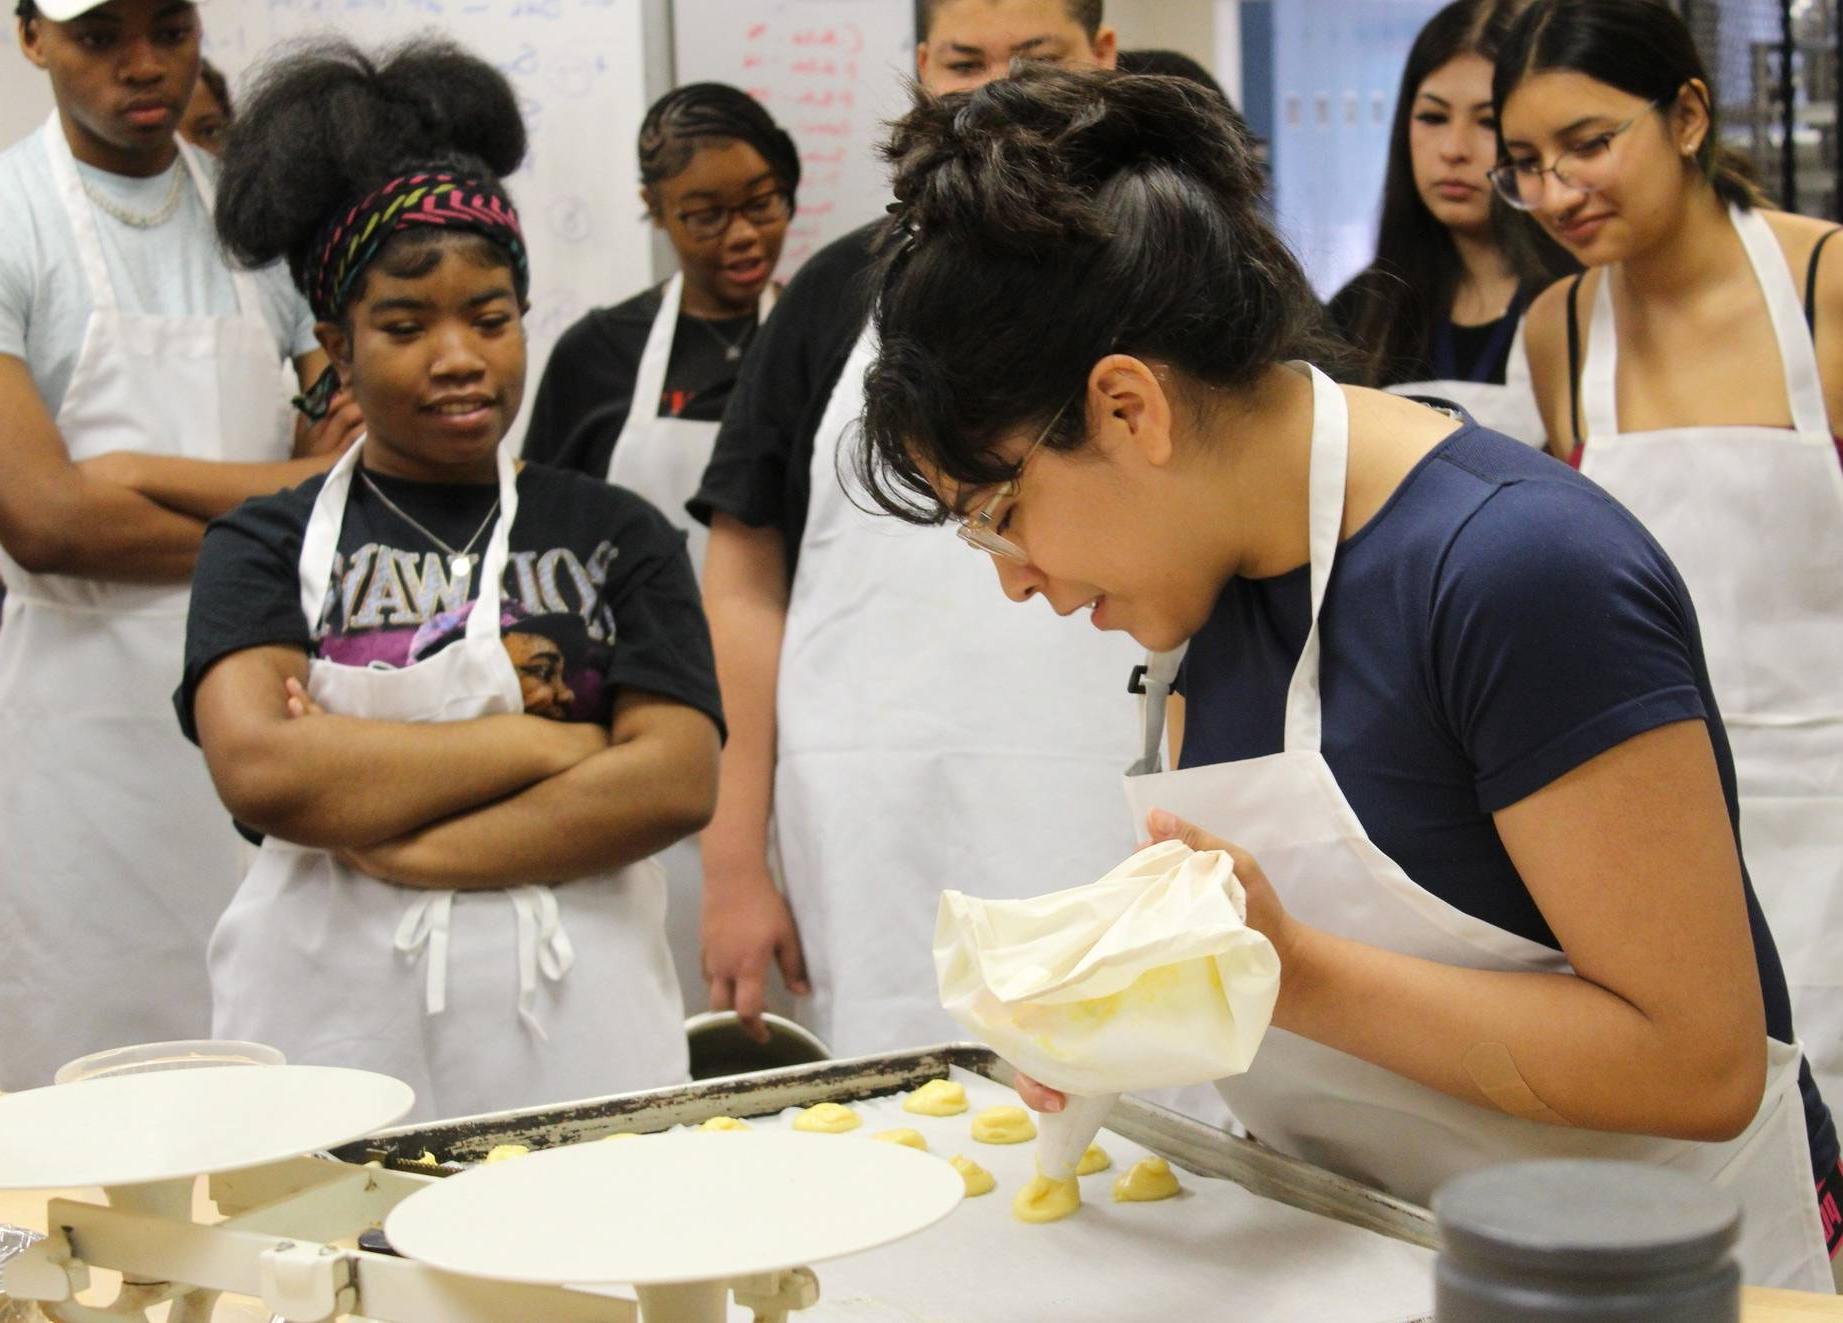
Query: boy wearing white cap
point(140, 393)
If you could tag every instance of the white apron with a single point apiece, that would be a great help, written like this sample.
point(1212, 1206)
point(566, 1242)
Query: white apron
point(663, 459)
point(115, 855)
point(1509, 408)
point(931, 735)
point(1753, 519)
point(1368, 1123)
point(478, 1000)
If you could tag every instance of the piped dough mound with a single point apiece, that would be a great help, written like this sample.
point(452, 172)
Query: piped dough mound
point(1004, 1125)
point(1095, 1159)
point(827, 1119)
point(623, 1134)
point(903, 1135)
point(978, 1180)
point(724, 1124)
point(505, 1153)
point(1046, 1200)
point(937, 1098)
point(1146, 1182)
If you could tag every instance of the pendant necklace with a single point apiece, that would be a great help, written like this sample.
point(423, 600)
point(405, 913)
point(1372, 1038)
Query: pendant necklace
point(461, 562)
point(732, 349)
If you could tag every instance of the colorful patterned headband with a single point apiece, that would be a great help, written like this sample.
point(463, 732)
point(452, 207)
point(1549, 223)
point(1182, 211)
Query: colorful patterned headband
point(355, 236)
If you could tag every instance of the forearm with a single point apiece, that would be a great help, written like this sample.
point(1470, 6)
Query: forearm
point(1581, 1052)
point(745, 599)
point(89, 528)
point(617, 808)
point(344, 782)
point(205, 489)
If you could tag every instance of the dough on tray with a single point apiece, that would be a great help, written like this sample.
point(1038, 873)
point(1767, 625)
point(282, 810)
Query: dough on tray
point(978, 1180)
point(827, 1119)
point(937, 1098)
point(506, 1152)
point(1004, 1125)
point(1147, 1181)
point(1095, 1159)
point(903, 1135)
point(1046, 1200)
point(724, 1123)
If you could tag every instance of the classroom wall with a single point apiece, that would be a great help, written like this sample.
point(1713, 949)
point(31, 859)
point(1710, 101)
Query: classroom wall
point(25, 99)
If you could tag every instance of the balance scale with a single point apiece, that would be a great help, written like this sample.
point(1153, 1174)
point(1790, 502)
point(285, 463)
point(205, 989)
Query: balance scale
point(685, 1221)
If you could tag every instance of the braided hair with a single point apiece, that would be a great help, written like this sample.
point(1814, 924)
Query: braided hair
point(687, 117)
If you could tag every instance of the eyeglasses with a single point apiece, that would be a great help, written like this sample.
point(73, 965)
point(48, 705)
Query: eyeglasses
point(977, 530)
point(1587, 167)
point(764, 209)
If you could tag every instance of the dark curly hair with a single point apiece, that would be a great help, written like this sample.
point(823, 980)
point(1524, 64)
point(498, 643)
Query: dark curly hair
point(1043, 222)
point(326, 124)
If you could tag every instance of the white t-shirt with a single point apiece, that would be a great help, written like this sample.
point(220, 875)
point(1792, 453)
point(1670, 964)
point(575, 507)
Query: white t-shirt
point(173, 269)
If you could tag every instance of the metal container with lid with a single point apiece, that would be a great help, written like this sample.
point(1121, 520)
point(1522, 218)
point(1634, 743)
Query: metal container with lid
point(1578, 1241)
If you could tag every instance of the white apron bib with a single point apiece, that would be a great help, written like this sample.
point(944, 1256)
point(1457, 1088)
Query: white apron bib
point(478, 1000)
point(663, 459)
point(931, 735)
point(1368, 1123)
point(1509, 408)
point(115, 855)
point(1753, 519)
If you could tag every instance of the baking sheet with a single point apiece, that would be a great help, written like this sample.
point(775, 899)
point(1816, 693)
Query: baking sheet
point(1216, 1251)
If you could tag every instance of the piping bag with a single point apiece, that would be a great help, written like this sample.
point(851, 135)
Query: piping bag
point(1148, 978)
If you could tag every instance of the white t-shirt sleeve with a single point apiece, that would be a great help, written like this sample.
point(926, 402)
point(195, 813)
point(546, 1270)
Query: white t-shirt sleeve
point(17, 252)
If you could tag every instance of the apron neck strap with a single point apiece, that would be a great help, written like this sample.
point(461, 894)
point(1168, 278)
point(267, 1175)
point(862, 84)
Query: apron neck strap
point(650, 378)
point(1804, 389)
point(78, 212)
point(320, 545)
point(249, 298)
point(1324, 522)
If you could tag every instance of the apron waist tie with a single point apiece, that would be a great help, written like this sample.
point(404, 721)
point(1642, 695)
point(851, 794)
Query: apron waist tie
point(425, 926)
point(543, 948)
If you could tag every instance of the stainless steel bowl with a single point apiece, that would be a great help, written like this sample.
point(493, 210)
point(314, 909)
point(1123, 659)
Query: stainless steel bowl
point(720, 1048)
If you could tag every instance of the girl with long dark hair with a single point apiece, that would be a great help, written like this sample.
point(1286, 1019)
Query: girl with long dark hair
point(1446, 698)
point(1695, 371)
point(1440, 310)
point(464, 701)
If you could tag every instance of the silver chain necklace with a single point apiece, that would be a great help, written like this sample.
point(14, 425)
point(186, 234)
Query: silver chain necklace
point(732, 349)
point(140, 220)
point(460, 563)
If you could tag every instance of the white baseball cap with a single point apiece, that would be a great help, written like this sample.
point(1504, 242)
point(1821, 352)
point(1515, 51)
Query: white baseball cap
point(62, 11)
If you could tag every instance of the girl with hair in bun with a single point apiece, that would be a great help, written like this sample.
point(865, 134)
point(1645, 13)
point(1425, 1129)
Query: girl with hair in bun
point(1439, 312)
point(450, 890)
point(634, 393)
point(1695, 371)
point(1474, 777)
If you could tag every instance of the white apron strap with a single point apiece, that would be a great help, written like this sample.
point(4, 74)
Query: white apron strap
point(1804, 389)
point(320, 543)
point(1324, 522)
point(1599, 397)
point(82, 218)
point(424, 930)
point(543, 948)
point(249, 298)
point(1159, 675)
point(650, 380)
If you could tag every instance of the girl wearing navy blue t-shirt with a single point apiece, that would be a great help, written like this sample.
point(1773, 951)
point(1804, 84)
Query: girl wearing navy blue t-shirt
point(1445, 700)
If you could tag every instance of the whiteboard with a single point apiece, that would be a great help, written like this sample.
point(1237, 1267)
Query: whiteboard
point(831, 72)
point(578, 67)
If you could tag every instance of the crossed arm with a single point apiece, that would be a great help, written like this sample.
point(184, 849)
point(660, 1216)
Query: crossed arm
point(489, 802)
point(127, 516)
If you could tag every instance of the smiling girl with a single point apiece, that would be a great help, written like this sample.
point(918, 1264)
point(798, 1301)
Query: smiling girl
point(1695, 371)
point(452, 890)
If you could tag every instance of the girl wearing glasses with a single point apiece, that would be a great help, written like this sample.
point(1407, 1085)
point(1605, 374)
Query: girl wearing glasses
point(1440, 310)
point(1695, 372)
point(634, 393)
point(1475, 777)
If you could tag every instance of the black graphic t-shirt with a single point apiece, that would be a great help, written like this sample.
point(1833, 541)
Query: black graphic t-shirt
point(598, 593)
point(588, 387)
